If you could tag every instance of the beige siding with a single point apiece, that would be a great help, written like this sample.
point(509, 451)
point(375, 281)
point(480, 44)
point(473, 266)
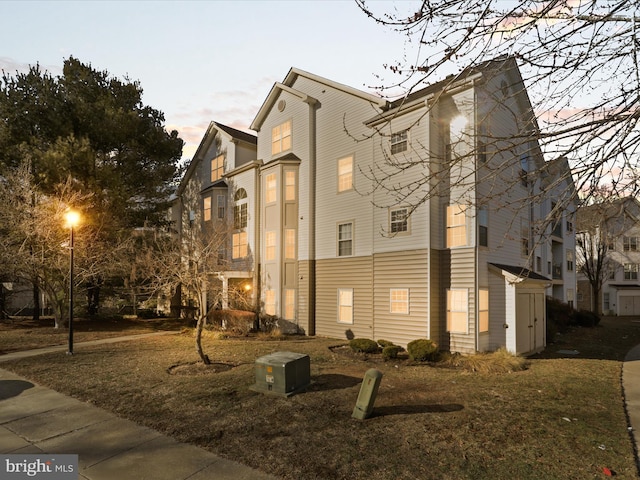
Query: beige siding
point(306, 297)
point(407, 269)
point(353, 273)
point(463, 276)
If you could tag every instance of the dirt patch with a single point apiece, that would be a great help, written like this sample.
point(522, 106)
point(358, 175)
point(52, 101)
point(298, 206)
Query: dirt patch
point(199, 368)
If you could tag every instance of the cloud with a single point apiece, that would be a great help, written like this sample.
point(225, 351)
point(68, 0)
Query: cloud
point(11, 66)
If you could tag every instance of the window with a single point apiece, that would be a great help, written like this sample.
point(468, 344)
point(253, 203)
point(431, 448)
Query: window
point(240, 216)
point(240, 247)
point(457, 307)
point(290, 185)
point(206, 210)
point(270, 246)
point(221, 204)
point(271, 188)
point(611, 243)
point(399, 220)
point(630, 244)
point(538, 264)
point(482, 151)
point(569, 260)
point(612, 273)
point(217, 168)
point(483, 227)
point(483, 310)
point(569, 225)
point(281, 138)
point(289, 304)
point(270, 302)
point(290, 243)
point(345, 174)
point(399, 142)
point(456, 226)
point(606, 302)
point(345, 305)
point(630, 271)
point(399, 300)
point(345, 239)
point(570, 297)
point(524, 237)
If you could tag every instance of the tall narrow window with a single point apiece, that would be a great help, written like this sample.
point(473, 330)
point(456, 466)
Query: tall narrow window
point(345, 174)
point(569, 260)
point(606, 302)
point(290, 185)
point(457, 310)
point(483, 227)
point(345, 239)
point(524, 237)
point(289, 304)
point(281, 138)
point(345, 305)
point(456, 226)
point(399, 300)
point(270, 302)
point(270, 194)
point(206, 211)
point(240, 215)
point(240, 246)
point(270, 246)
point(217, 168)
point(399, 142)
point(222, 203)
point(290, 244)
point(399, 220)
point(483, 310)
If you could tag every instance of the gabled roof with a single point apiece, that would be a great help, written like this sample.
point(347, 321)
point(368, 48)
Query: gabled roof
point(520, 272)
point(209, 136)
point(287, 85)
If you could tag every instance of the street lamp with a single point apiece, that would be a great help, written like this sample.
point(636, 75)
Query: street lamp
point(73, 218)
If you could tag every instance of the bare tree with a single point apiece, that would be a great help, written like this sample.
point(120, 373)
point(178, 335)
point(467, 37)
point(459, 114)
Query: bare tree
point(579, 61)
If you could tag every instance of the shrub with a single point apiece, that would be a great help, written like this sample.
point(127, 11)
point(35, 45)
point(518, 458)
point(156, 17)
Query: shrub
point(390, 351)
point(385, 343)
point(559, 317)
point(584, 318)
point(363, 345)
point(422, 350)
point(238, 321)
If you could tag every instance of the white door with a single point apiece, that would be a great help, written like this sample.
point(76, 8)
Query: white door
point(530, 323)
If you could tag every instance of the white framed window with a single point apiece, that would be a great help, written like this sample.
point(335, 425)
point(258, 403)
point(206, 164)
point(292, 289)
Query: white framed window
point(271, 185)
point(630, 244)
point(399, 142)
point(290, 244)
point(240, 248)
point(458, 310)
point(281, 138)
point(289, 304)
point(240, 216)
point(206, 209)
point(630, 271)
point(345, 174)
point(456, 226)
point(217, 168)
point(524, 237)
point(570, 260)
point(399, 220)
point(289, 186)
point(483, 227)
point(345, 305)
point(270, 302)
point(399, 300)
point(270, 245)
point(570, 297)
point(345, 239)
point(606, 302)
point(483, 310)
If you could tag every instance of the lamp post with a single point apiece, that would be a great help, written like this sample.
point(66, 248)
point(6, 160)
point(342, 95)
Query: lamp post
point(73, 218)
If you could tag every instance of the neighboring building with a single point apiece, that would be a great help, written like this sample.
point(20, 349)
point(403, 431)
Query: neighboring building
point(400, 220)
point(617, 224)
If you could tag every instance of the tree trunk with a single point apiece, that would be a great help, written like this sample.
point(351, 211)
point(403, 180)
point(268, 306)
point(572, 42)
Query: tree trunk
point(202, 320)
point(36, 302)
point(596, 299)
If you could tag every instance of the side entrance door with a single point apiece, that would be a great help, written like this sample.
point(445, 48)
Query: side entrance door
point(530, 322)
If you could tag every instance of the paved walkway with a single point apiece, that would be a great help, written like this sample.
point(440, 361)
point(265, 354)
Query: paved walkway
point(35, 420)
point(631, 390)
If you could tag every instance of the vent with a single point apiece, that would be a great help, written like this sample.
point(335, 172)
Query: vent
point(281, 105)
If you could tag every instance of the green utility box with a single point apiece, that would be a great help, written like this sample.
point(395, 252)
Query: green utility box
point(282, 373)
point(367, 395)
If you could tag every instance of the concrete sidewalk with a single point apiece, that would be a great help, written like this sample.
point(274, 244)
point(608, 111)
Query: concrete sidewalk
point(631, 391)
point(34, 420)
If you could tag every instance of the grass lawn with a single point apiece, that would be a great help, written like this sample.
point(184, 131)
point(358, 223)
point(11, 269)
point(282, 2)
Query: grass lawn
point(562, 417)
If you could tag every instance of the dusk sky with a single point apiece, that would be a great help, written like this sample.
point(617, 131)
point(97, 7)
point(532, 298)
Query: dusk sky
point(199, 61)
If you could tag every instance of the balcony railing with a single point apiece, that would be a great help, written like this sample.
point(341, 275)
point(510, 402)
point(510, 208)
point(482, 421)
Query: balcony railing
point(557, 272)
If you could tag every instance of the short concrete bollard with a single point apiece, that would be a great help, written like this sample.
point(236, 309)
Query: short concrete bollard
point(367, 395)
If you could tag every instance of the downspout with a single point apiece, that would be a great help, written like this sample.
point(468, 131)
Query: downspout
point(312, 214)
point(257, 229)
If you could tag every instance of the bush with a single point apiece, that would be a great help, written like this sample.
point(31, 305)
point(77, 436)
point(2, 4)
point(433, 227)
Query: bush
point(390, 352)
point(385, 343)
point(422, 350)
point(559, 317)
point(237, 321)
point(363, 345)
point(584, 318)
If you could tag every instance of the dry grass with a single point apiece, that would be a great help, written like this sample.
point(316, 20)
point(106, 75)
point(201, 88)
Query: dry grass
point(560, 418)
